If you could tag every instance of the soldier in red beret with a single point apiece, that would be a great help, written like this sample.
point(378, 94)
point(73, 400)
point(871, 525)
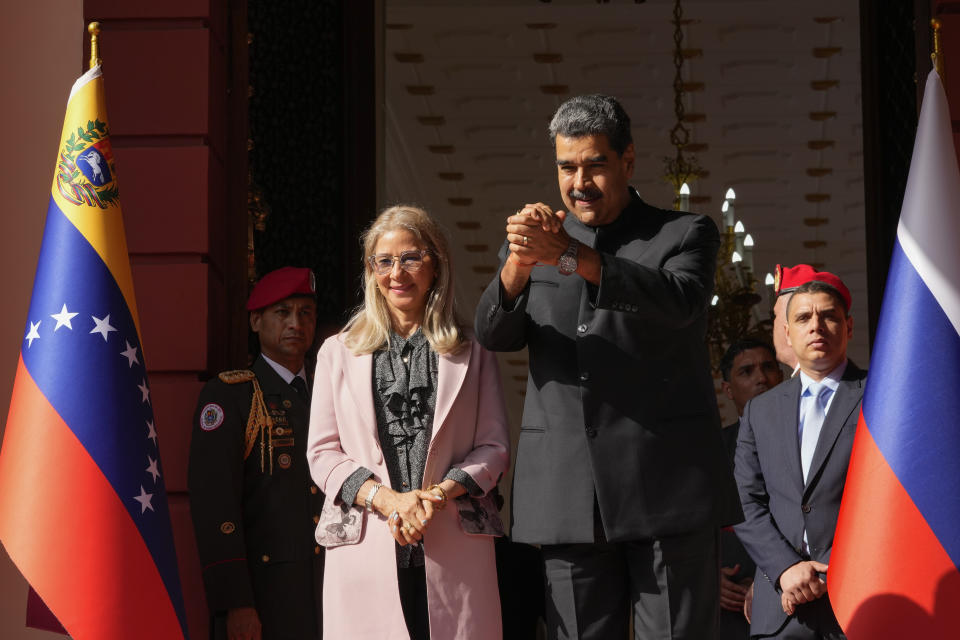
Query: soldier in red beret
point(253, 503)
point(786, 280)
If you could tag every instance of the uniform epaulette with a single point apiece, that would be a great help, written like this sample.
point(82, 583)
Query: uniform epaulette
point(237, 376)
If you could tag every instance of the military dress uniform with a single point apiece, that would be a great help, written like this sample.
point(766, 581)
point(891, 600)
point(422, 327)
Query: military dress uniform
point(253, 503)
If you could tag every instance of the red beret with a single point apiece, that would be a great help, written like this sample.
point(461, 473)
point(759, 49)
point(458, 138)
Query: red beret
point(788, 279)
point(281, 284)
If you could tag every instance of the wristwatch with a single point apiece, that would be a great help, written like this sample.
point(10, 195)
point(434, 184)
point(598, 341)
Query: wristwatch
point(568, 259)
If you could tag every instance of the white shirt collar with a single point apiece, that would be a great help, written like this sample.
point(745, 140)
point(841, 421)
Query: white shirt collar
point(283, 372)
point(831, 380)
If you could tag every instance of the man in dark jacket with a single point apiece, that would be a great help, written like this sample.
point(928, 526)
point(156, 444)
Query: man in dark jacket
point(620, 472)
point(253, 503)
point(791, 465)
point(749, 367)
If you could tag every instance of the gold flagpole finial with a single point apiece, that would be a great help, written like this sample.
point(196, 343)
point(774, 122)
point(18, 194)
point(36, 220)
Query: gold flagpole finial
point(94, 30)
point(937, 55)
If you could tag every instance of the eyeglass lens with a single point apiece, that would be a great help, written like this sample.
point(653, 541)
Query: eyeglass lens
point(410, 261)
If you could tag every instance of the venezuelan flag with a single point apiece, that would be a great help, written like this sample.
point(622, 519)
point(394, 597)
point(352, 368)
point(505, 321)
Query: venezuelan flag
point(83, 508)
point(894, 568)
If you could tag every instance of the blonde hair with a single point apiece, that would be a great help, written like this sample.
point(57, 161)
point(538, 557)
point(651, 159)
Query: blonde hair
point(369, 327)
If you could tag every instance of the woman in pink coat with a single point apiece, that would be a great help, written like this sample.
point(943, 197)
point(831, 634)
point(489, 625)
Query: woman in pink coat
point(408, 436)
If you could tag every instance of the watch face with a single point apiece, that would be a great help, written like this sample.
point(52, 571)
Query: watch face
point(567, 264)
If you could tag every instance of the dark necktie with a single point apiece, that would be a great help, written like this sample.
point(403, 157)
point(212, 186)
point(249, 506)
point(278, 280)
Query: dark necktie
point(301, 387)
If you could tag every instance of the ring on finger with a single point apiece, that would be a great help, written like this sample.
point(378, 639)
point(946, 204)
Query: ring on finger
point(525, 238)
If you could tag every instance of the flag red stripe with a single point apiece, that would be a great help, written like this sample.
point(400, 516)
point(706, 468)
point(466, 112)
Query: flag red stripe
point(69, 533)
point(888, 572)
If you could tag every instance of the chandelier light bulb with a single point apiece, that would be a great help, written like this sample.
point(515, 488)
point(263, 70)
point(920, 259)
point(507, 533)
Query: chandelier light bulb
point(730, 194)
point(736, 258)
point(739, 228)
point(684, 189)
point(769, 279)
point(713, 302)
point(725, 207)
point(748, 241)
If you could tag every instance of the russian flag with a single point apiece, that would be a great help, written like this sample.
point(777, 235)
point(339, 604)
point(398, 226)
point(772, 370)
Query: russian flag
point(894, 567)
point(83, 508)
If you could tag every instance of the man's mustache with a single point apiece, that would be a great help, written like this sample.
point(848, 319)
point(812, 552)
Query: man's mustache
point(590, 194)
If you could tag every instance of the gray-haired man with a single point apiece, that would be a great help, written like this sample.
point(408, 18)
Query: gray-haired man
point(620, 472)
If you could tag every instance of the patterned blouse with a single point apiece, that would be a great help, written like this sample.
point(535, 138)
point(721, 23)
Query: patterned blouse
point(405, 397)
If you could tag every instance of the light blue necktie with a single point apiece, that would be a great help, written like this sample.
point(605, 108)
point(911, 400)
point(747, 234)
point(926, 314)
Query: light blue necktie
point(813, 416)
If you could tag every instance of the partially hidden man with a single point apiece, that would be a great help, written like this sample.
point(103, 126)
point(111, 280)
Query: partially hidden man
point(620, 472)
point(253, 503)
point(749, 367)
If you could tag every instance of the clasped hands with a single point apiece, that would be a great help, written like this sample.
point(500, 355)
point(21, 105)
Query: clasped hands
point(536, 235)
point(801, 583)
point(733, 594)
point(409, 513)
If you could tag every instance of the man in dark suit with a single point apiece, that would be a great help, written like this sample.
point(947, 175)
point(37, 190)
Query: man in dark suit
point(620, 473)
point(253, 503)
point(791, 464)
point(749, 367)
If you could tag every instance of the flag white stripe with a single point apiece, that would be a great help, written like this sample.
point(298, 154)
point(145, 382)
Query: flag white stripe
point(929, 229)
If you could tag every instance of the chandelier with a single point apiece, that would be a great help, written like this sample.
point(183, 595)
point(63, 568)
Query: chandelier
point(680, 169)
point(733, 313)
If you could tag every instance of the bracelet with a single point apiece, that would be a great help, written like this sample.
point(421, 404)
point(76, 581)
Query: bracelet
point(443, 494)
point(369, 501)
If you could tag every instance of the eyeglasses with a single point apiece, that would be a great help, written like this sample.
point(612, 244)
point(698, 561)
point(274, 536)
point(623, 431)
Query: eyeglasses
point(410, 261)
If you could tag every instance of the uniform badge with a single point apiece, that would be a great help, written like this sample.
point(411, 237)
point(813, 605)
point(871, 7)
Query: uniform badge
point(211, 416)
point(287, 404)
point(227, 528)
point(284, 460)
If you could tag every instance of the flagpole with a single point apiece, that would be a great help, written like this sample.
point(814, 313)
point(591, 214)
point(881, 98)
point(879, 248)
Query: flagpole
point(937, 55)
point(94, 29)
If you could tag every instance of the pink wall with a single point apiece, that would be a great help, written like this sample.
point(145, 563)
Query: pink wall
point(40, 49)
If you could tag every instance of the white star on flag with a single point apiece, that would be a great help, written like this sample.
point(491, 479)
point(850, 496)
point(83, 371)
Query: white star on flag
point(103, 326)
point(63, 318)
point(151, 432)
point(152, 469)
point(144, 499)
point(145, 391)
point(32, 334)
point(130, 354)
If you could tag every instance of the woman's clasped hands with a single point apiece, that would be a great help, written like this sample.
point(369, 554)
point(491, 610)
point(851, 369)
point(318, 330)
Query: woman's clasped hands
point(409, 514)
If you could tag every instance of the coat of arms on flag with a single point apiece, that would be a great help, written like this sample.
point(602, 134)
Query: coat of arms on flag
point(85, 171)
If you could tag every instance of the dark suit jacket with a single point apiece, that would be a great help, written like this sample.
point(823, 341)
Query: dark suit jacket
point(776, 503)
point(255, 528)
point(733, 624)
point(620, 401)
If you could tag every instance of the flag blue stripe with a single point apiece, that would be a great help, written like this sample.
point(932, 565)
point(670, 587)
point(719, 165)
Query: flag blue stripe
point(912, 401)
point(92, 385)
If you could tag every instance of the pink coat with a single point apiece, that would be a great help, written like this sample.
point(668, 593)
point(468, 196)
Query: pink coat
point(360, 594)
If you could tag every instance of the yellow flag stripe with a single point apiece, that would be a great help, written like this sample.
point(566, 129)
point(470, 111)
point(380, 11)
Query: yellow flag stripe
point(95, 212)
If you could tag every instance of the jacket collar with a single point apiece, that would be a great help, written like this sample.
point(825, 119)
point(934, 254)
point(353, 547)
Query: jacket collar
point(451, 372)
point(846, 400)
